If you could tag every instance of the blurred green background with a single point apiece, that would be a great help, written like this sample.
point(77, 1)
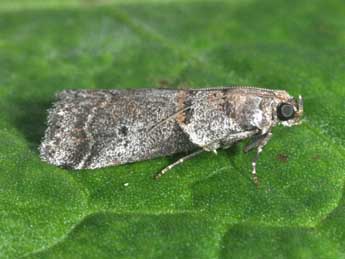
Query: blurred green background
point(208, 207)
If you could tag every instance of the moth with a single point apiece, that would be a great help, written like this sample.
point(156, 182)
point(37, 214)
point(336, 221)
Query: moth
point(99, 128)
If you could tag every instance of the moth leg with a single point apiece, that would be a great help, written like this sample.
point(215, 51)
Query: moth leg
point(259, 143)
point(231, 139)
point(181, 160)
point(255, 142)
point(228, 141)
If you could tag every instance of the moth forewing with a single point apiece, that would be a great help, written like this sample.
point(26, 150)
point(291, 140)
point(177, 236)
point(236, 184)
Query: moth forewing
point(99, 128)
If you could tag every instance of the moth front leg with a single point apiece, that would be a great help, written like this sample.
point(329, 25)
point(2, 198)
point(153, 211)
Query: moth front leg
point(228, 141)
point(258, 142)
point(235, 137)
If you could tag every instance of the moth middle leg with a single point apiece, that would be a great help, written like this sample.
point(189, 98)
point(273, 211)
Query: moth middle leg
point(258, 142)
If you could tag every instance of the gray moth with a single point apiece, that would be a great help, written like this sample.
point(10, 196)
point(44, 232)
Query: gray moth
point(98, 128)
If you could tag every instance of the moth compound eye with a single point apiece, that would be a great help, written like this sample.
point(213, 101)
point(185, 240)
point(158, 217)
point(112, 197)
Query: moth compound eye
point(285, 111)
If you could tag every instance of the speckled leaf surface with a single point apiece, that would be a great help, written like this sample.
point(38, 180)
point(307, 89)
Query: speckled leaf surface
point(208, 207)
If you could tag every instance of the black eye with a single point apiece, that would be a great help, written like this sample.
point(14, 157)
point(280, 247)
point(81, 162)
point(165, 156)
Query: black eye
point(285, 111)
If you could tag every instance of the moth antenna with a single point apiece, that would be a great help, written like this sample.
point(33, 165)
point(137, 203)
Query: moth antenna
point(169, 118)
point(300, 104)
point(174, 115)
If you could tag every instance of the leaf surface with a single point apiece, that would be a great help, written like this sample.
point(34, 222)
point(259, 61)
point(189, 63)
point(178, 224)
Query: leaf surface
point(208, 207)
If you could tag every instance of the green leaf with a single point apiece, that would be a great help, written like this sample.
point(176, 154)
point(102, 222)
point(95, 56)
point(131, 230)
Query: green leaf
point(207, 207)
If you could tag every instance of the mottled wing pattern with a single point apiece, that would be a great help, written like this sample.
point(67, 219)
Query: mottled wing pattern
point(216, 115)
point(98, 128)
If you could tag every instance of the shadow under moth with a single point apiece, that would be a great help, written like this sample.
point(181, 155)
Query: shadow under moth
point(99, 128)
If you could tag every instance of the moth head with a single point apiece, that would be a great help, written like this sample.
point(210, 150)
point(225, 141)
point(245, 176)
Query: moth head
point(289, 111)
